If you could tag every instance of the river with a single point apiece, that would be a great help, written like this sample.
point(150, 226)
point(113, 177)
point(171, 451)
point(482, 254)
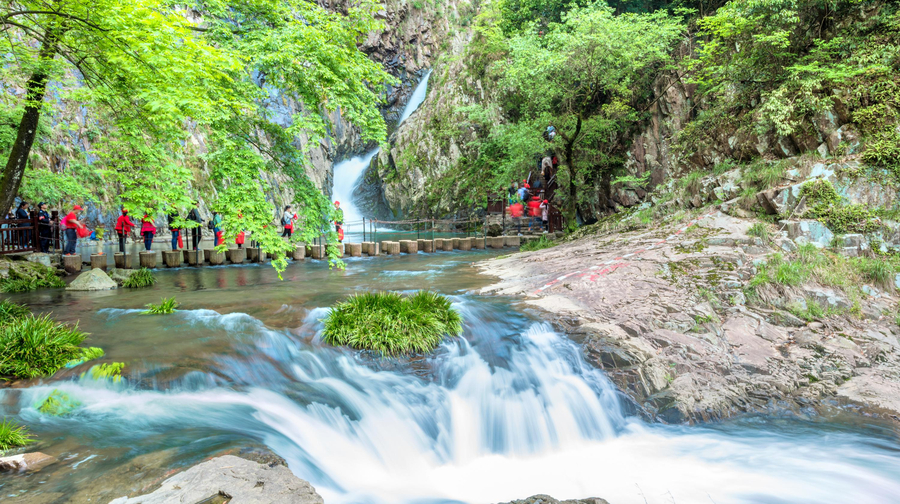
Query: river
point(509, 410)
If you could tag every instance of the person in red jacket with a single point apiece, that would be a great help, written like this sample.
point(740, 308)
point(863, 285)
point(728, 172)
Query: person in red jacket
point(72, 225)
point(147, 230)
point(516, 212)
point(123, 229)
point(534, 212)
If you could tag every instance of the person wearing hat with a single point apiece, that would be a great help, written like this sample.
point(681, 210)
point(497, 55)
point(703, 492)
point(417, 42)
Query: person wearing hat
point(545, 215)
point(338, 216)
point(72, 225)
point(22, 214)
point(44, 227)
point(123, 228)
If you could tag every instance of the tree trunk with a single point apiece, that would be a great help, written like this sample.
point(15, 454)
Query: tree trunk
point(570, 161)
point(36, 88)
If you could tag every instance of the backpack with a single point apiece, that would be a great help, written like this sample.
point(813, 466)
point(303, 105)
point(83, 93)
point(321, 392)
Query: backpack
point(211, 224)
point(285, 220)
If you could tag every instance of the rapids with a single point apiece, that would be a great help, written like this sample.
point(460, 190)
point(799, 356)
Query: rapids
point(507, 411)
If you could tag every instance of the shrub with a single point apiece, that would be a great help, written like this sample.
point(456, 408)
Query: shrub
point(166, 306)
point(13, 435)
point(87, 354)
point(10, 311)
point(37, 346)
point(825, 205)
point(537, 245)
point(391, 324)
point(140, 278)
point(58, 404)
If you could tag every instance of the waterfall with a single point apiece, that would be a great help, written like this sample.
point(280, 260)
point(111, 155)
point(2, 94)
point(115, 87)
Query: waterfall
point(347, 173)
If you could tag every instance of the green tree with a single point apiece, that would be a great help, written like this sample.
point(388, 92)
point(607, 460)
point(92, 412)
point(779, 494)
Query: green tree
point(587, 76)
point(176, 90)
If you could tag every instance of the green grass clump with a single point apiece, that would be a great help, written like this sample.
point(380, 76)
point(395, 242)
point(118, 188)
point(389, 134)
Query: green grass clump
point(876, 270)
point(809, 311)
point(11, 311)
point(391, 324)
point(761, 231)
point(537, 245)
point(13, 435)
point(826, 205)
point(140, 278)
point(58, 404)
point(37, 346)
point(107, 370)
point(166, 306)
point(87, 354)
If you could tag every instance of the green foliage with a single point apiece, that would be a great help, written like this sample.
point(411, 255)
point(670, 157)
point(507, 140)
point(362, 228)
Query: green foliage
point(391, 324)
point(826, 205)
point(879, 271)
point(140, 278)
point(58, 404)
point(144, 103)
point(540, 244)
point(166, 306)
point(87, 354)
point(517, 15)
point(13, 435)
point(10, 311)
point(106, 370)
point(37, 346)
point(809, 310)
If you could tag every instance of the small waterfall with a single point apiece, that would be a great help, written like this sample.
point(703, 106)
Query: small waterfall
point(347, 173)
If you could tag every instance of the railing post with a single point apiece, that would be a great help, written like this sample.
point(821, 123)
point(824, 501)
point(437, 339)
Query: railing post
point(364, 229)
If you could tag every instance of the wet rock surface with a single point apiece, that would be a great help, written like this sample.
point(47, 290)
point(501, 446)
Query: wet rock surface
point(239, 480)
point(672, 327)
point(546, 499)
point(92, 280)
point(32, 461)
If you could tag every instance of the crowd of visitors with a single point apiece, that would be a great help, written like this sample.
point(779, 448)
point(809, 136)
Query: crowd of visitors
point(530, 201)
point(72, 227)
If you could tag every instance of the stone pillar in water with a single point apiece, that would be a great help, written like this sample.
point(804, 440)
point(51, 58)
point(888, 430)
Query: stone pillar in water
point(455, 243)
point(426, 246)
point(253, 254)
point(207, 253)
point(148, 259)
point(299, 252)
point(478, 243)
point(353, 249)
point(216, 258)
point(72, 263)
point(465, 244)
point(237, 256)
point(409, 246)
point(512, 241)
point(448, 244)
point(172, 258)
point(193, 257)
point(123, 261)
point(317, 251)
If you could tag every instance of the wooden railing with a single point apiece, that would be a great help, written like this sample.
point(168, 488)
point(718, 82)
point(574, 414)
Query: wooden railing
point(24, 235)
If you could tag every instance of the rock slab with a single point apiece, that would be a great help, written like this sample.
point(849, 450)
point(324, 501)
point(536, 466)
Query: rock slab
point(25, 461)
point(244, 481)
point(92, 280)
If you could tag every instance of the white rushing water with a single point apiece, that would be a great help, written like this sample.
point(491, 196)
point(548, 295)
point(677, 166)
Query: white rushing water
point(347, 173)
point(500, 416)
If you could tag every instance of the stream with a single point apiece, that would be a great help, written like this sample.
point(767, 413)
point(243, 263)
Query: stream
point(509, 410)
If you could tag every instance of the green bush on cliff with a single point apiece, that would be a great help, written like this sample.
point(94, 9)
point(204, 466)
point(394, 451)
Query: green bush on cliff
point(825, 204)
point(37, 346)
point(13, 435)
point(391, 324)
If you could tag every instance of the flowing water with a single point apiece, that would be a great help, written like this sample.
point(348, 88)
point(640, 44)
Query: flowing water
point(347, 173)
point(509, 410)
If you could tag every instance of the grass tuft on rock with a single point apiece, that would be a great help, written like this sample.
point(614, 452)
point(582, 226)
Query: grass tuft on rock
point(140, 278)
point(165, 307)
point(37, 346)
point(540, 244)
point(392, 324)
point(13, 435)
point(39, 277)
point(106, 370)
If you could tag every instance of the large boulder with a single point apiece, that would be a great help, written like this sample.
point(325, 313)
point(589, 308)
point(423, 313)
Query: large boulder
point(93, 280)
point(244, 481)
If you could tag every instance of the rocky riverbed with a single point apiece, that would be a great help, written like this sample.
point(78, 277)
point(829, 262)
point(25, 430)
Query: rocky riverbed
point(665, 312)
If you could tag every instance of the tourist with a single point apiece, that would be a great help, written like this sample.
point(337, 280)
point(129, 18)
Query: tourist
point(513, 192)
point(123, 229)
point(22, 214)
point(147, 231)
point(545, 215)
point(176, 232)
point(196, 232)
point(216, 225)
point(44, 227)
point(339, 221)
point(534, 212)
point(516, 212)
point(72, 226)
point(287, 220)
point(240, 238)
point(523, 191)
